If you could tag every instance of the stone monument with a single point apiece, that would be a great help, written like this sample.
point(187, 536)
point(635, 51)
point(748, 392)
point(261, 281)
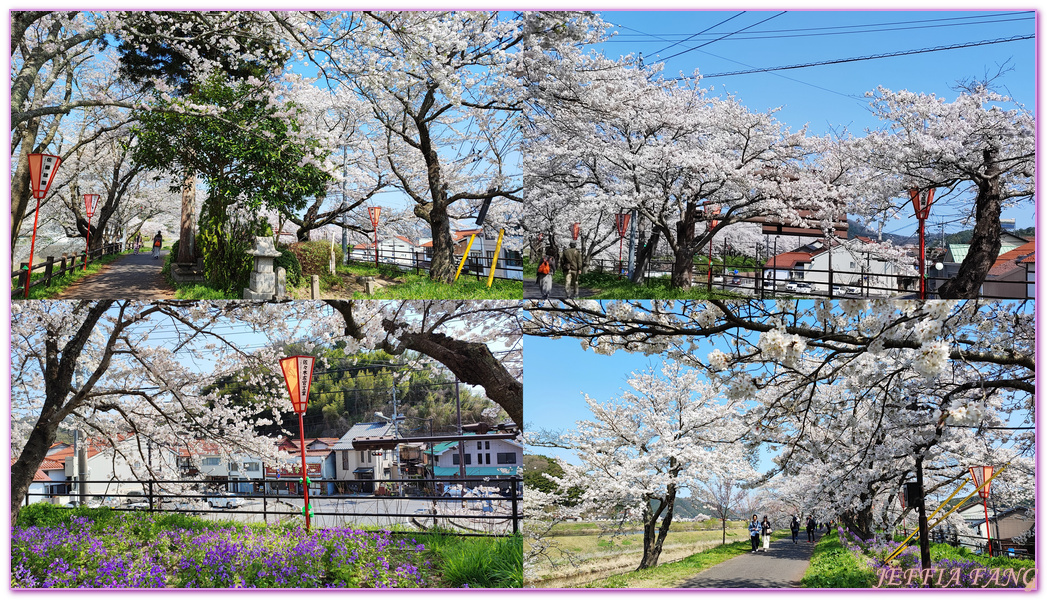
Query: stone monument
point(263, 278)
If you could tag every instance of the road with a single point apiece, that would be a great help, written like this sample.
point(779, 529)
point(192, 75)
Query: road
point(782, 566)
point(374, 512)
point(132, 277)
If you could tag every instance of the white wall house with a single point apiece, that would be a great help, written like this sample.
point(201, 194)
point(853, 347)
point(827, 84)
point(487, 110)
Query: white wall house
point(483, 458)
point(115, 471)
point(362, 465)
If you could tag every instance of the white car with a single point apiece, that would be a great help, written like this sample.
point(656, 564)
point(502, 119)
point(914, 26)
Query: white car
point(224, 500)
point(803, 288)
point(455, 491)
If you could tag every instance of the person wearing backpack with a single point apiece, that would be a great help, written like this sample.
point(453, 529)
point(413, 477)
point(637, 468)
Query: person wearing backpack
point(545, 277)
point(158, 242)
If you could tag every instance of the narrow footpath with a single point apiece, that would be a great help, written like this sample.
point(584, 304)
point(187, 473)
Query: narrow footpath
point(782, 566)
point(132, 277)
point(559, 292)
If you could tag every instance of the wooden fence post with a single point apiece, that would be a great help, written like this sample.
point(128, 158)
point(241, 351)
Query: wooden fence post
point(48, 270)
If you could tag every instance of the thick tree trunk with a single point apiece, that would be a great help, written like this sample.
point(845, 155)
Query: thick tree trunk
point(985, 241)
point(443, 266)
point(33, 454)
point(683, 269)
point(860, 523)
point(21, 190)
point(187, 225)
point(653, 533)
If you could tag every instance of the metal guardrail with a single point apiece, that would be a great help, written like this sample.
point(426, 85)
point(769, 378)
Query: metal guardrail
point(510, 269)
point(57, 267)
point(483, 513)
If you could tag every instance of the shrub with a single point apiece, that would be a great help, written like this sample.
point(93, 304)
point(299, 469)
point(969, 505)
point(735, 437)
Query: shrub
point(289, 262)
point(314, 257)
point(41, 514)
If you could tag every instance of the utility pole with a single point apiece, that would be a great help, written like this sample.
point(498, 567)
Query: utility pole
point(921, 508)
point(345, 237)
point(461, 451)
point(396, 436)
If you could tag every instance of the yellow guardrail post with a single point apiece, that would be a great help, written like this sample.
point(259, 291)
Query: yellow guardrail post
point(899, 549)
point(465, 256)
point(494, 261)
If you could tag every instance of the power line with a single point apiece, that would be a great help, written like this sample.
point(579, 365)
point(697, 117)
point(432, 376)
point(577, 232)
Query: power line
point(855, 29)
point(725, 36)
point(699, 33)
point(873, 56)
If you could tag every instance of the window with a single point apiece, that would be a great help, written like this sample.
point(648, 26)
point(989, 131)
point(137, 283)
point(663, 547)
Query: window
point(362, 459)
point(507, 458)
point(488, 458)
point(211, 462)
point(487, 445)
point(232, 467)
point(454, 459)
point(479, 445)
point(251, 466)
point(468, 459)
point(345, 460)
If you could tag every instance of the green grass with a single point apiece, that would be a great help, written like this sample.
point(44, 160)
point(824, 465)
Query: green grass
point(479, 562)
point(833, 566)
point(60, 284)
point(673, 574)
point(420, 286)
point(609, 286)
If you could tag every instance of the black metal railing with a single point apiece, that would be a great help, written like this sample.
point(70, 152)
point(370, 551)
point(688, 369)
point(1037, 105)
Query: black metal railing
point(471, 505)
point(826, 283)
point(510, 268)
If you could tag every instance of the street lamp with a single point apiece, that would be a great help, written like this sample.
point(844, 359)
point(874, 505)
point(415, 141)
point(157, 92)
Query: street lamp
point(42, 170)
point(90, 203)
point(921, 202)
point(298, 374)
point(980, 475)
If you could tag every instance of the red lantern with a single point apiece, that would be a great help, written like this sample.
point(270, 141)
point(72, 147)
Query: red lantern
point(42, 170)
point(373, 212)
point(921, 202)
point(90, 203)
point(981, 475)
point(298, 374)
point(576, 229)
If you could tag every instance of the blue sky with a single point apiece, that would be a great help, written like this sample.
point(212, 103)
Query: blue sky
point(830, 97)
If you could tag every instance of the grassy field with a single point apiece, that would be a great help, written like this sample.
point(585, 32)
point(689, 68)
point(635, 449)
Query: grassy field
point(582, 555)
point(833, 566)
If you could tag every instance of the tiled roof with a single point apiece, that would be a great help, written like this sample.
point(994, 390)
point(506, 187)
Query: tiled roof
point(362, 430)
point(1013, 259)
point(788, 260)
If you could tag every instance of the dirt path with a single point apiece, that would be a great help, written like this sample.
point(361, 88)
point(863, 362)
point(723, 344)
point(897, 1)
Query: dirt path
point(782, 566)
point(559, 292)
point(132, 277)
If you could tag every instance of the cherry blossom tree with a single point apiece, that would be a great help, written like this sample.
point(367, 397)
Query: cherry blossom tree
point(980, 145)
point(646, 447)
point(723, 495)
point(618, 132)
point(852, 395)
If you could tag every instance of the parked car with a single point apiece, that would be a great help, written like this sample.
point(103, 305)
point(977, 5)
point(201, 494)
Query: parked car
point(853, 290)
point(92, 502)
point(224, 500)
point(136, 500)
point(803, 288)
point(736, 280)
point(456, 491)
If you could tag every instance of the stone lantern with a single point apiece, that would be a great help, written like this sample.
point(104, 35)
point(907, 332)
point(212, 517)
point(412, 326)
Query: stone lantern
point(263, 285)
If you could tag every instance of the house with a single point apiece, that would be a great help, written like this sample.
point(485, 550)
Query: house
point(853, 263)
point(113, 470)
point(1004, 525)
point(284, 476)
point(397, 250)
point(510, 262)
point(1013, 275)
point(955, 253)
point(496, 459)
point(362, 465)
point(49, 482)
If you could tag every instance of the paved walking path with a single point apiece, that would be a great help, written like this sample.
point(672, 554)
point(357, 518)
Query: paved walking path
point(132, 277)
point(531, 290)
point(782, 566)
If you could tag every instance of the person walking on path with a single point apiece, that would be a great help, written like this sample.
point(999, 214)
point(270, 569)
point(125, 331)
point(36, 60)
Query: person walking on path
point(158, 242)
point(765, 530)
point(754, 532)
point(138, 242)
point(794, 526)
point(810, 529)
point(545, 278)
point(571, 261)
